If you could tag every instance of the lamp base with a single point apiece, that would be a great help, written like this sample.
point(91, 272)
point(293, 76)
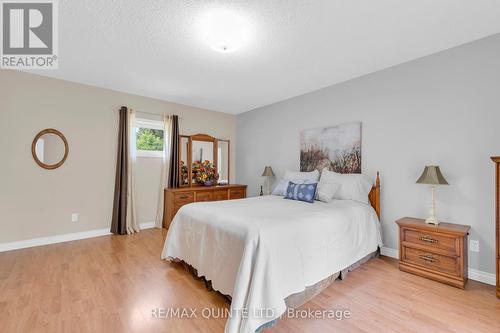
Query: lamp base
point(432, 220)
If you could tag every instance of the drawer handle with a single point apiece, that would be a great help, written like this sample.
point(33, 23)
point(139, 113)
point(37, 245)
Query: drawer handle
point(429, 258)
point(183, 197)
point(428, 239)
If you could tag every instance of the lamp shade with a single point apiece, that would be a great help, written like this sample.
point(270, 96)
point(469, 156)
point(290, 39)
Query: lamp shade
point(268, 172)
point(432, 176)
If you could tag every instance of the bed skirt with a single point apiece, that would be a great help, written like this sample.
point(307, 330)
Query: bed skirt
point(295, 300)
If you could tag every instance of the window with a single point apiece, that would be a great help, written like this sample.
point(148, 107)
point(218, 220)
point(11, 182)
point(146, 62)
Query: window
point(149, 137)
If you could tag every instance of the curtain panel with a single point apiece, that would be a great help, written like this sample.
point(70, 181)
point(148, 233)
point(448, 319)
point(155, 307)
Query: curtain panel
point(132, 224)
point(123, 220)
point(170, 168)
point(118, 221)
point(173, 177)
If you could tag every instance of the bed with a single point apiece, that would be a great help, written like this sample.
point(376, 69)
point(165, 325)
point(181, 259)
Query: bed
point(268, 254)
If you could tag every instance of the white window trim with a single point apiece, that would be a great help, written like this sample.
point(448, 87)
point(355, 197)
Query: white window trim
point(149, 153)
point(152, 124)
point(149, 123)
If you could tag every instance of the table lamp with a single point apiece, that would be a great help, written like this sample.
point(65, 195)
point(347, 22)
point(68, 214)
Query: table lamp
point(268, 173)
point(432, 176)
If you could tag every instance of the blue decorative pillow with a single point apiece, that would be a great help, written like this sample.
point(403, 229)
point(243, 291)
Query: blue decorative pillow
point(302, 192)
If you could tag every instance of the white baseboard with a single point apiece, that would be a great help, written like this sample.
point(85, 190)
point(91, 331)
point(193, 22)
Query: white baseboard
point(147, 225)
point(483, 277)
point(23, 244)
point(473, 273)
point(388, 252)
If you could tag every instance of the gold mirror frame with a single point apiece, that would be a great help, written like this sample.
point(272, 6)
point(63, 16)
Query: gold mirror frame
point(33, 149)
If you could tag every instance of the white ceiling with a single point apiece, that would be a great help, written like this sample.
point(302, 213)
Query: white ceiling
point(153, 48)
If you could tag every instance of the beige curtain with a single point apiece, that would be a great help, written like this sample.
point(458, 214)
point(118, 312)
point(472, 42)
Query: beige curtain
point(165, 169)
point(131, 220)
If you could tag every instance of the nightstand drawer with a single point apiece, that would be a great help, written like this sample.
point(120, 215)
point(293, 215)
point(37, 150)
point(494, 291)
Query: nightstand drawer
point(437, 252)
point(431, 240)
point(437, 262)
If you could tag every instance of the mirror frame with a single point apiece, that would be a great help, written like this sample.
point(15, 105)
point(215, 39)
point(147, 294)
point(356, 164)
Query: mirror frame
point(33, 149)
point(200, 137)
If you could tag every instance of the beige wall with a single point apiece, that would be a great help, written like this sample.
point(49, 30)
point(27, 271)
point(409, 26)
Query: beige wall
point(35, 202)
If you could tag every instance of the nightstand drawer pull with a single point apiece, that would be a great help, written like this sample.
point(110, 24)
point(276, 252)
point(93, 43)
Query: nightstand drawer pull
point(428, 258)
point(183, 197)
point(428, 239)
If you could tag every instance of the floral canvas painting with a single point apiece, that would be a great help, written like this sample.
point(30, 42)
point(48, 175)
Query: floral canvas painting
point(338, 148)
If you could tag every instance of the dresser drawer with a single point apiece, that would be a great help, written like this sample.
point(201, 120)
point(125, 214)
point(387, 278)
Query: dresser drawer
point(175, 198)
point(437, 262)
point(203, 196)
point(220, 195)
point(183, 198)
point(431, 240)
point(238, 193)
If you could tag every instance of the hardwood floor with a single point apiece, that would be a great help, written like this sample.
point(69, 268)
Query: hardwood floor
point(113, 283)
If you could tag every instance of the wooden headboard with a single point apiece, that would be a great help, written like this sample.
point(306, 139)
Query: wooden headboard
point(374, 196)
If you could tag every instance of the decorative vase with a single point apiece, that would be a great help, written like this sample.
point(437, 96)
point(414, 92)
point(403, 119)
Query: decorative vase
point(208, 183)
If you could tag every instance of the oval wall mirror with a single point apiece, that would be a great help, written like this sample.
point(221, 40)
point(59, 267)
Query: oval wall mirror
point(49, 149)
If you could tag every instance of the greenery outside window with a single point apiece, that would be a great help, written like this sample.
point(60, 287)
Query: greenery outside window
point(149, 137)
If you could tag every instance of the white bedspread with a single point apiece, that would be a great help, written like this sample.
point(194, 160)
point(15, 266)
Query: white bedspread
point(261, 250)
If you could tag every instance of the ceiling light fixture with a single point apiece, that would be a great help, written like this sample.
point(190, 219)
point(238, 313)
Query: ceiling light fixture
point(225, 30)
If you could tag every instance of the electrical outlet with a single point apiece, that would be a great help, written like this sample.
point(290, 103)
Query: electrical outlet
point(474, 245)
point(74, 217)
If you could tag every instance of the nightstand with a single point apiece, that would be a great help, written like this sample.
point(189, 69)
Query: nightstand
point(437, 252)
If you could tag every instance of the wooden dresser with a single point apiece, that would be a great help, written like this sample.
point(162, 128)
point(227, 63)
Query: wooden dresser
point(175, 198)
point(496, 159)
point(437, 252)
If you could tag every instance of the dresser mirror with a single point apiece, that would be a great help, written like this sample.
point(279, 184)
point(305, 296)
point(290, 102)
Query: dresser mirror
point(49, 149)
point(223, 161)
point(202, 152)
point(183, 160)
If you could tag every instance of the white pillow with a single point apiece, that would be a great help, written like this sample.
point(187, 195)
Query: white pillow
point(326, 191)
point(353, 186)
point(280, 188)
point(302, 177)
